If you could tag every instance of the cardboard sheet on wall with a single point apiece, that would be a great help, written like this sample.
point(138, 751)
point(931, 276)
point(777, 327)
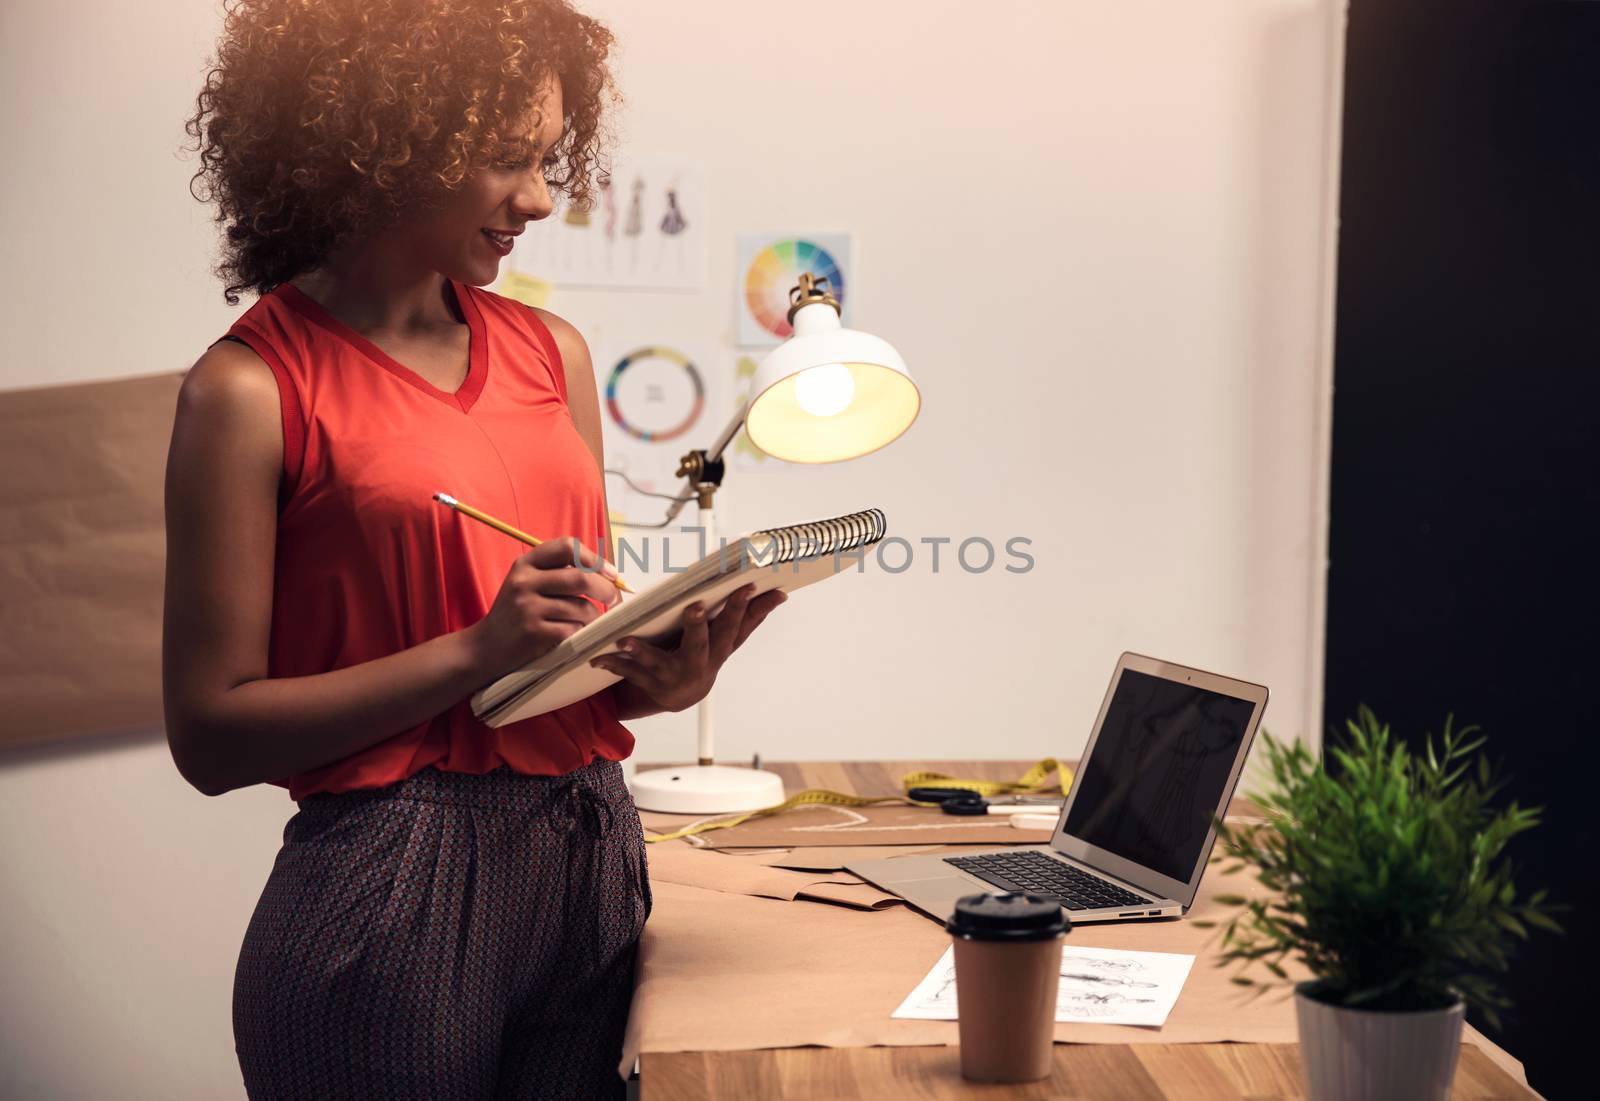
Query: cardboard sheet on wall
point(82, 553)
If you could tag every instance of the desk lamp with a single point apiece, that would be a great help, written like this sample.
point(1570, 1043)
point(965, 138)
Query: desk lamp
point(824, 395)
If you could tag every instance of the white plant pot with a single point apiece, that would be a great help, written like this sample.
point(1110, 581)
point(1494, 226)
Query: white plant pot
point(1367, 1055)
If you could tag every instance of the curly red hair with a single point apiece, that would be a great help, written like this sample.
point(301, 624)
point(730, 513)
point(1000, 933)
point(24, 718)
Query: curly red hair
point(321, 121)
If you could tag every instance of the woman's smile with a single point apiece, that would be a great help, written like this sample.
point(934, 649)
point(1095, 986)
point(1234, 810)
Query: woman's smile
point(501, 240)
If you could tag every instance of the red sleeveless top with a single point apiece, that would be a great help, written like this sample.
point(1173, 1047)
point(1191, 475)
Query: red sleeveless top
point(369, 564)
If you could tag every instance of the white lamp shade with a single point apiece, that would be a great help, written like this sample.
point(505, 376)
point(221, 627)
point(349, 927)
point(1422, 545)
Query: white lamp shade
point(859, 398)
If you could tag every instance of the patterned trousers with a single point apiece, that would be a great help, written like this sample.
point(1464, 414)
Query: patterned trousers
point(447, 937)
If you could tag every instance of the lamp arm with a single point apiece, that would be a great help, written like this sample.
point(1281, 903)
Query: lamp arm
point(691, 490)
point(714, 452)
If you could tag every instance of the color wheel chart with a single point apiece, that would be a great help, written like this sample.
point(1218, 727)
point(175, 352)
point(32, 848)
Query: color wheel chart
point(654, 394)
point(771, 266)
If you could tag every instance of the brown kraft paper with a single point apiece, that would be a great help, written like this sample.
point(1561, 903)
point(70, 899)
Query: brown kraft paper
point(825, 859)
point(819, 859)
point(82, 556)
point(721, 971)
point(819, 824)
point(717, 872)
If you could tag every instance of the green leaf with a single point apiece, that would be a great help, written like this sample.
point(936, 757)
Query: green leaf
point(1386, 867)
point(1542, 921)
point(1507, 922)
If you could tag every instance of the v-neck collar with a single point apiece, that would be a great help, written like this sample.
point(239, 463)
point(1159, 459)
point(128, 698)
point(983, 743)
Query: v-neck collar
point(477, 344)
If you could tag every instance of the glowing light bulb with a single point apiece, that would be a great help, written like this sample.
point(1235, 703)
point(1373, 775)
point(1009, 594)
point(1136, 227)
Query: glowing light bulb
point(825, 391)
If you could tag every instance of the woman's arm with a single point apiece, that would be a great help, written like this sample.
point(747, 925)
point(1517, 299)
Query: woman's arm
point(655, 679)
point(228, 725)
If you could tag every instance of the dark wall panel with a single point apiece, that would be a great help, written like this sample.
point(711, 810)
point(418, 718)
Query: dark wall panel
point(1466, 471)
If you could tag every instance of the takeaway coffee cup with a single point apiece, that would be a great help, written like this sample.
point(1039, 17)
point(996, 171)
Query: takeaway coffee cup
point(1008, 967)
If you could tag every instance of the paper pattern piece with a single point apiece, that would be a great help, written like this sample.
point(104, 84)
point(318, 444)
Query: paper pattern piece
point(720, 872)
point(824, 859)
point(1098, 986)
point(819, 824)
point(769, 265)
point(644, 229)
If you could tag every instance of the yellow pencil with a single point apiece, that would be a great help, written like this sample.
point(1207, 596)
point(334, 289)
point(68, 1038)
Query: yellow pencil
point(500, 525)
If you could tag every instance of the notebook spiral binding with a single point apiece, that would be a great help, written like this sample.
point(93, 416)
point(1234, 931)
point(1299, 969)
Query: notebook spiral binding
point(789, 545)
point(822, 537)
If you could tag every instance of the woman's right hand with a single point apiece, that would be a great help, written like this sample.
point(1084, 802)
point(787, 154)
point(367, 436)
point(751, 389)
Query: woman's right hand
point(541, 603)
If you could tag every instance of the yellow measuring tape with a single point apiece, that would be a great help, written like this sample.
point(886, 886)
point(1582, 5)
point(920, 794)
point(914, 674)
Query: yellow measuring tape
point(1033, 782)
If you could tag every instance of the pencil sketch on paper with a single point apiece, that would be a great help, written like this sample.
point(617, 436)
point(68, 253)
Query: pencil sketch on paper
point(1090, 997)
point(1069, 958)
point(1107, 980)
point(1098, 986)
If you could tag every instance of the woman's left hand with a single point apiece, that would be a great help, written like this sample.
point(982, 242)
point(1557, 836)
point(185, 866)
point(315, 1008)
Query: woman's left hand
point(677, 678)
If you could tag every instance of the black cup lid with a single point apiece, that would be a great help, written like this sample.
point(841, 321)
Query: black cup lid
point(1014, 915)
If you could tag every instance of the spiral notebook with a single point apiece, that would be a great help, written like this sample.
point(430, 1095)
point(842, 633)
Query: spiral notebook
point(786, 558)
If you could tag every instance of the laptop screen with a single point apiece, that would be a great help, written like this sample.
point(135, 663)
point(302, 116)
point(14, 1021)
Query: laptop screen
point(1157, 771)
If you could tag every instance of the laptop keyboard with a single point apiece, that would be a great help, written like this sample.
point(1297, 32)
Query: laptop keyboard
point(1031, 870)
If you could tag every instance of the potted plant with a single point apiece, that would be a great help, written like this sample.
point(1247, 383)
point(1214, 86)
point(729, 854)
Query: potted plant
point(1389, 882)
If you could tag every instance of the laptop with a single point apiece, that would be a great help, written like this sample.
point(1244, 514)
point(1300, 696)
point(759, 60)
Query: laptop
point(1135, 831)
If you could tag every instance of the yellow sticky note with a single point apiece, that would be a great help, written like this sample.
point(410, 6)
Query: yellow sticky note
point(527, 289)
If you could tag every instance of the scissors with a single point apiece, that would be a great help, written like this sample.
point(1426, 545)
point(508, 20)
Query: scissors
point(964, 802)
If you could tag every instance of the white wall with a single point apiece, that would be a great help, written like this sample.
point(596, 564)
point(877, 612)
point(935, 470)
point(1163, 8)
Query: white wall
point(1096, 229)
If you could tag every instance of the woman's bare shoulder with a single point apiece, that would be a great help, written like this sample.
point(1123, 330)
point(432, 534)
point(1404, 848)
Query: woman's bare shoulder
point(229, 381)
point(229, 400)
point(569, 341)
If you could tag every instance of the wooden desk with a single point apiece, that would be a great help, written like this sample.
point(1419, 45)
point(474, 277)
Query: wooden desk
point(1090, 1072)
point(1083, 1072)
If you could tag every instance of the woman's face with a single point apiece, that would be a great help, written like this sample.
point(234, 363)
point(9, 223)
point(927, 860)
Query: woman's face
point(502, 198)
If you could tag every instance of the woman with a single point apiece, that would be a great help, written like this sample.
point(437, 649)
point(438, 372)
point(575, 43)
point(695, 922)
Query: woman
point(455, 909)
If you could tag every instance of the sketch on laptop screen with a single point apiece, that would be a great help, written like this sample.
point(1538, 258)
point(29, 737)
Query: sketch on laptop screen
point(1164, 753)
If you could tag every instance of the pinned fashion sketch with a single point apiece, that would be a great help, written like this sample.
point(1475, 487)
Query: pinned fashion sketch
point(644, 230)
point(672, 226)
point(635, 223)
point(608, 202)
point(581, 244)
point(672, 222)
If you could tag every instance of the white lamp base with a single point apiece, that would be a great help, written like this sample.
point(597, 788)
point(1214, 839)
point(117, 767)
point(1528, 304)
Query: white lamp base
point(706, 789)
